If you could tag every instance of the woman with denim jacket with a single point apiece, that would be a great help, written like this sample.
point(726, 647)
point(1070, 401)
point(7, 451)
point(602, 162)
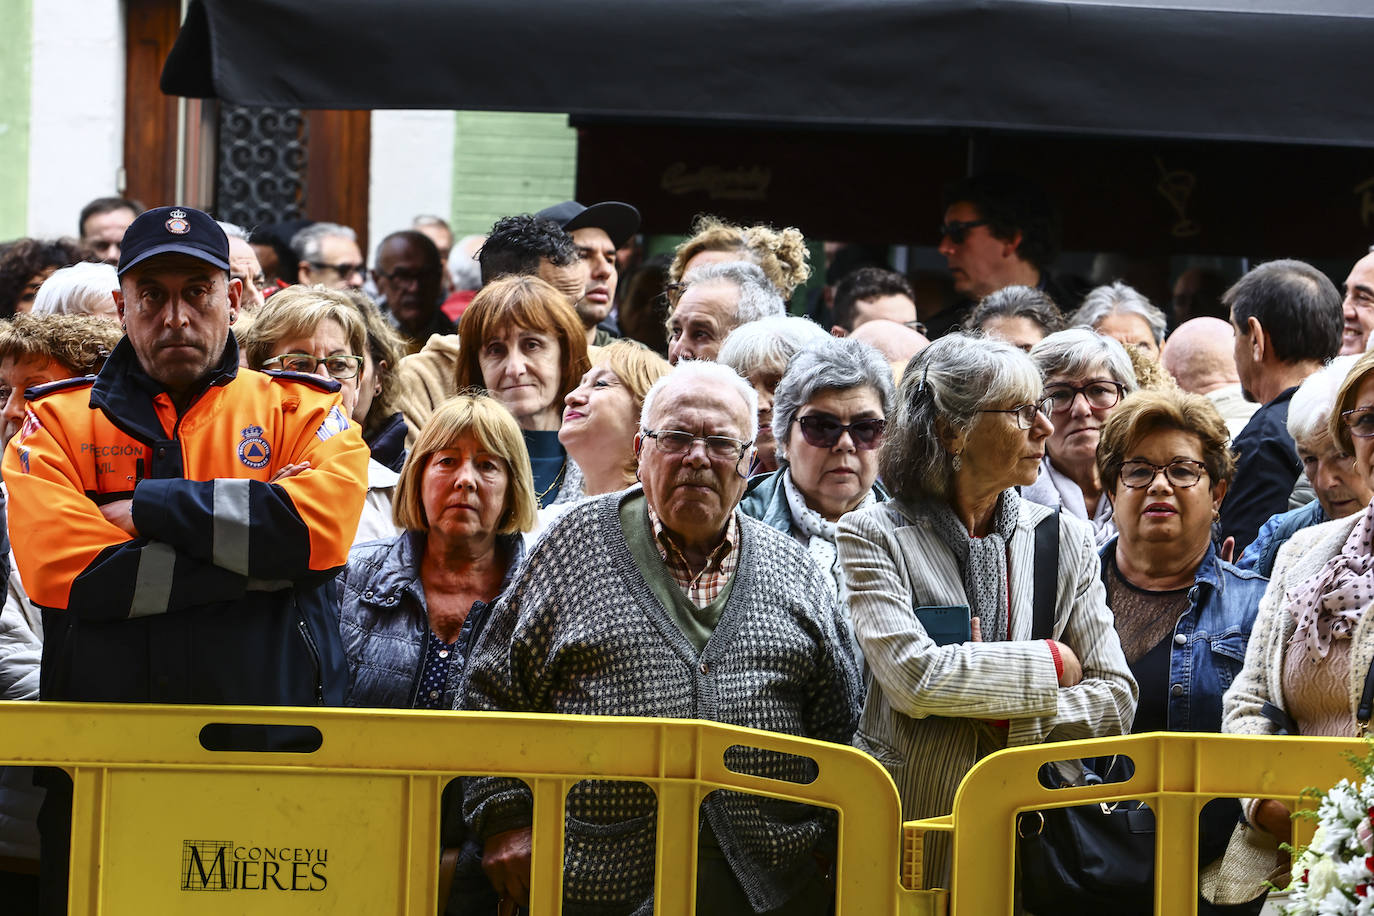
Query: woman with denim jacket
point(412, 606)
point(1183, 614)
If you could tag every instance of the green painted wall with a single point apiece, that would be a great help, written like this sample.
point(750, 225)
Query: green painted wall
point(16, 39)
point(506, 163)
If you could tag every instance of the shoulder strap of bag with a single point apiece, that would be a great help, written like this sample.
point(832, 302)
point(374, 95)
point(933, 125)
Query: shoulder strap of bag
point(1047, 575)
point(1366, 707)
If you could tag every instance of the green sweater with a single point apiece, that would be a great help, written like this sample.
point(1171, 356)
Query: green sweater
point(696, 623)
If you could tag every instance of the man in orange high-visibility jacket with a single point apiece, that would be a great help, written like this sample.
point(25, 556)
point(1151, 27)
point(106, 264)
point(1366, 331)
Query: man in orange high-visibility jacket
point(181, 520)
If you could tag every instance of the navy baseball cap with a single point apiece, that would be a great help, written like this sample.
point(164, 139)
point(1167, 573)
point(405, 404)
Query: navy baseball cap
point(620, 220)
point(175, 230)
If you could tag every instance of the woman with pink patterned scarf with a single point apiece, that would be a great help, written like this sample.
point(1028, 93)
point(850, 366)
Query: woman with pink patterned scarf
point(1313, 642)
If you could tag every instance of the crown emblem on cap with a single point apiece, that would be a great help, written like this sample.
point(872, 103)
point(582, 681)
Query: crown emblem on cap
point(176, 223)
point(177, 214)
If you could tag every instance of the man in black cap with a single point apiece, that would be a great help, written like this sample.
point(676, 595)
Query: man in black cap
point(597, 231)
point(189, 516)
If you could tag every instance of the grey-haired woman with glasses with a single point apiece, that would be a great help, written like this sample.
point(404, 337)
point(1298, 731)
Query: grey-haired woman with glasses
point(1086, 376)
point(829, 413)
point(316, 331)
point(941, 585)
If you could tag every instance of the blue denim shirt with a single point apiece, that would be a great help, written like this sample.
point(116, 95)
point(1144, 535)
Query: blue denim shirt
point(1209, 639)
point(1264, 549)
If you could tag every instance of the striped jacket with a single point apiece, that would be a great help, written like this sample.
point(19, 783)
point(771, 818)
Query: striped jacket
point(929, 707)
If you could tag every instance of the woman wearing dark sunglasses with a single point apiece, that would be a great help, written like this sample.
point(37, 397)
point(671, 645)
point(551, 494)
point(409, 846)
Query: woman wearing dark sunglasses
point(957, 546)
point(1182, 613)
point(829, 412)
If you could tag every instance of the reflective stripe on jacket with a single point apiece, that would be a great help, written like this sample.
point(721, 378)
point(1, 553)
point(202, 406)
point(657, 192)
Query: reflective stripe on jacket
point(227, 594)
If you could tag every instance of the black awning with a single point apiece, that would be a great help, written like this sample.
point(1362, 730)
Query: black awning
point(1276, 71)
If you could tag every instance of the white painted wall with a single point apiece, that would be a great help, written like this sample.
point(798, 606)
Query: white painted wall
point(76, 132)
point(411, 170)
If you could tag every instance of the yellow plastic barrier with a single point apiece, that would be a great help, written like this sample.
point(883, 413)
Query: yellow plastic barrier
point(162, 825)
point(1175, 774)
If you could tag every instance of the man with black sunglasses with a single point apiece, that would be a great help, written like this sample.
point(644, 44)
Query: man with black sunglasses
point(1000, 230)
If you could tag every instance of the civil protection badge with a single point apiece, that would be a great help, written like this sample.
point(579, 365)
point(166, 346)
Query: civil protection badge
point(176, 223)
point(334, 423)
point(254, 450)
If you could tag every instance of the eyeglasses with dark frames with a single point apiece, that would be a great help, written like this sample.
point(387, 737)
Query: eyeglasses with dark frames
point(1100, 394)
point(718, 448)
point(1025, 414)
point(957, 230)
point(1181, 472)
point(339, 366)
point(821, 430)
point(1360, 421)
point(402, 277)
point(343, 270)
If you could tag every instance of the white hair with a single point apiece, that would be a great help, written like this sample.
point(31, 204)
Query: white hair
point(700, 372)
point(1310, 408)
point(767, 344)
point(308, 244)
point(82, 289)
point(234, 231)
point(463, 264)
point(1119, 299)
point(757, 297)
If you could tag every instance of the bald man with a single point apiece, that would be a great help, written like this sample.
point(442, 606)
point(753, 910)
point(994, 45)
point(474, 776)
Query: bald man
point(895, 341)
point(1200, 355)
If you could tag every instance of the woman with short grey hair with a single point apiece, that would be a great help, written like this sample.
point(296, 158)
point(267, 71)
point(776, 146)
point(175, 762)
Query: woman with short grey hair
point(1020, 315)
point(940, 582)
point(759, 351)
point(829, 414)
point(1121, 312)
point(1086, 376)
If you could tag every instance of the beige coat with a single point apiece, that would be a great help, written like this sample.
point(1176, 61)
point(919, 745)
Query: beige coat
point(428, 379)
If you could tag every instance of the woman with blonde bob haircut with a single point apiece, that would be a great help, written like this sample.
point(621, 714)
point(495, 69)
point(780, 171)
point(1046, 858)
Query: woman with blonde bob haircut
point(412, 606)
point(523, 342)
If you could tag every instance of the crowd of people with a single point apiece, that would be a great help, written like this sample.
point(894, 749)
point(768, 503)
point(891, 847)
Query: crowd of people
point(535, 471)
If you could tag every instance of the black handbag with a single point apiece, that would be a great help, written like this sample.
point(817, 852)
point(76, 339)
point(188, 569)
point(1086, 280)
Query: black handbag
point(1089, 859)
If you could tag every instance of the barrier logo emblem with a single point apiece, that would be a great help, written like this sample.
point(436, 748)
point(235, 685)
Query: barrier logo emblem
point(223, 865)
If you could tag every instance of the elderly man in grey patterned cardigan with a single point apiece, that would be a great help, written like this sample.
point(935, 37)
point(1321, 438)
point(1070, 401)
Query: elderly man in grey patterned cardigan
point(666, 601)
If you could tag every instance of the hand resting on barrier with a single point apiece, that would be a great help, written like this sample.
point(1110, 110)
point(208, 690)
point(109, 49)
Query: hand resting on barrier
point(506, 860)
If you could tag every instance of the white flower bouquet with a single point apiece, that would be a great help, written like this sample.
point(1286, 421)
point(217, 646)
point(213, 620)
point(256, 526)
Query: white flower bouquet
point(1334, 875)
